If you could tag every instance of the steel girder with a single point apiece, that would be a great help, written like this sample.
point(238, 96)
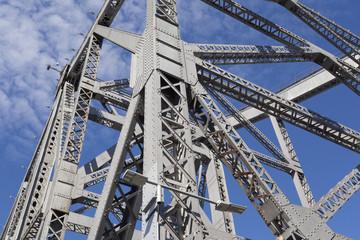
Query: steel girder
point(252, 129)
point(329, 204)
point(83, 66)
point(103, 225)
point(255, 181)
point(219, 54)
point(104, 18)
point(341, 38)
point(301, 184)
point(37, 177)
point(258, 97)
point(58, 206)
point(346, 73)
point(294, 168)
point(312, 84)
point(176, 137)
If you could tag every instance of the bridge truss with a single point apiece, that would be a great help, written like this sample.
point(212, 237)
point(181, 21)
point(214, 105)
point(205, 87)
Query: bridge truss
point(179, 135)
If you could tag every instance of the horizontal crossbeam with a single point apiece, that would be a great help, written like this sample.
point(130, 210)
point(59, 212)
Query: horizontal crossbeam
point(113, 95)
point(106, 119)
point(220, 54)
point(115, 85)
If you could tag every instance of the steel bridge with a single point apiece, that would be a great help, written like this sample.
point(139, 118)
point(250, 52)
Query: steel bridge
point(179, 134)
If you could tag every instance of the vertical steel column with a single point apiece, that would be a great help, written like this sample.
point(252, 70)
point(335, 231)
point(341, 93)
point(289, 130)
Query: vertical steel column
point(152, 131)
point(178, 163)
point(168, 155)
point(152, 161)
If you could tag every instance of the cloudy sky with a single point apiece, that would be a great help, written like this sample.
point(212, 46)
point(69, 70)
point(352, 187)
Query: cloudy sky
point(34, 33)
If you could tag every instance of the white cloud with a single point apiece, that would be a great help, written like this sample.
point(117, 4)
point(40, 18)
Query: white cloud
point(36, 33)
point(33, 34)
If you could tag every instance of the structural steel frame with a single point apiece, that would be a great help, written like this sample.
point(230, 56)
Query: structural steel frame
point(175, 142)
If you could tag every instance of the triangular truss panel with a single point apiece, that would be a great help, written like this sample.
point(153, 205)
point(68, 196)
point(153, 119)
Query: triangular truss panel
point(164, 177)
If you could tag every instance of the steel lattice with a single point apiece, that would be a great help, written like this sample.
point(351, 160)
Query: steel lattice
point(167, 171)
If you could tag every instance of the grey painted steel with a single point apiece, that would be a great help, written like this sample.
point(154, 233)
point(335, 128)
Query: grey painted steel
point(18, 216)
point(167, 132)
point(59, 203)
point(329, 204)
point(173, 134)
point(254, 131)
point(282, 162)
point(106, 119)
point(300, 182)
point(338, 36)
point(276, 210)
point(334, 65)
point(273, 104)
point(246, 54)
point(117, 164)
point(312, 84)
point(127, 40)
point(217, 188)
point(138, 179)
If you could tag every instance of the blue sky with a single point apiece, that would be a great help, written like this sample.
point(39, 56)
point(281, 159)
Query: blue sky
point(35, 33)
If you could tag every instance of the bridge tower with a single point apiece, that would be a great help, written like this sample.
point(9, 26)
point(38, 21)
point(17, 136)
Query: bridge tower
point(179, 135)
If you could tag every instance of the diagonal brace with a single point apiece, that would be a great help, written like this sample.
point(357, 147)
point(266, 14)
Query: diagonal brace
point(273, 104)
point(338, 36)
point(261, 24)
point(329, 204)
